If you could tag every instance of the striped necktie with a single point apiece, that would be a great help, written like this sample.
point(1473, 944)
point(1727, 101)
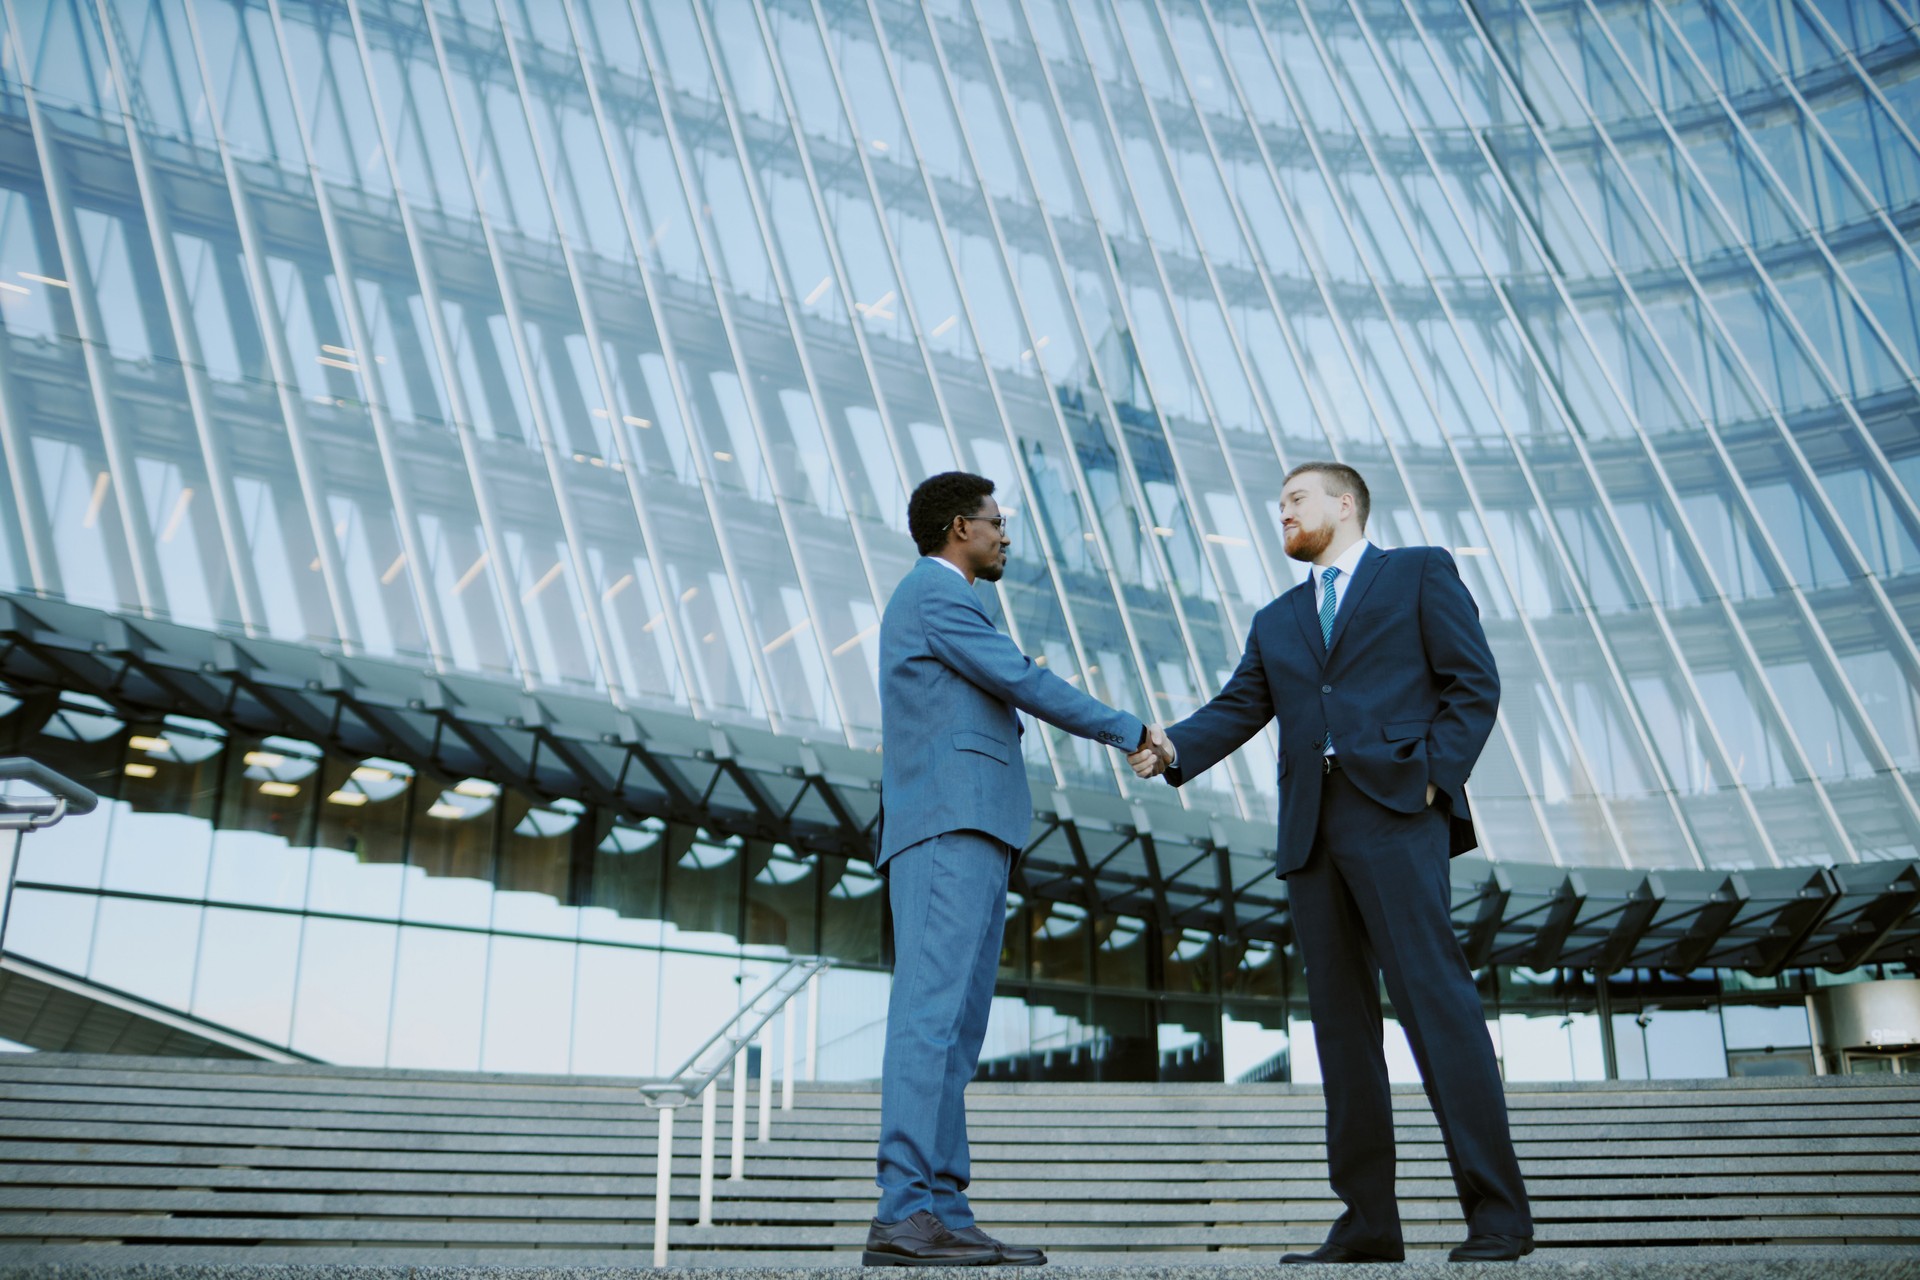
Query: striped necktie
point(1329, 604)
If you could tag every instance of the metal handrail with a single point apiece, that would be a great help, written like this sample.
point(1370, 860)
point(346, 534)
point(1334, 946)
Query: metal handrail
point(810, 964)
point(21, 814)
point(691, 1081)
point(31, 813)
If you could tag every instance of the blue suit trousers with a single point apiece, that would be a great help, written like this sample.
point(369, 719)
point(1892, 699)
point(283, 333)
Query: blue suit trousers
point(949, 900)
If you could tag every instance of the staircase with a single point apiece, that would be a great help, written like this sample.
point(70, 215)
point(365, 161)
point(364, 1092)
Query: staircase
point(106, 1160)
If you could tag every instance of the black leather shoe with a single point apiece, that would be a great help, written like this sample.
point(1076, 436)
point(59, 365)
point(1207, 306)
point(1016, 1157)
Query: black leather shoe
point(922, 1240)
point(1492, 1248)
point(1010, 1255)
point(1331, 1252)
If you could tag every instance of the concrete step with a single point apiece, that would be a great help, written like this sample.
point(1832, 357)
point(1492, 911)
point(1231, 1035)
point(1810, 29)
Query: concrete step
point(1016, 1188)
point(640, 1163)
point(1197, 1143)
point(818, 1115)
point(118, 1160)
point(298, 1077)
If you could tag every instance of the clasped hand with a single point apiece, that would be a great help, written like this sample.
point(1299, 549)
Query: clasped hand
point(1154, 755)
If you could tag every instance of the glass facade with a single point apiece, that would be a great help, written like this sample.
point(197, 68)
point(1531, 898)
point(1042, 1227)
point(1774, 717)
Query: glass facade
point(591, 347)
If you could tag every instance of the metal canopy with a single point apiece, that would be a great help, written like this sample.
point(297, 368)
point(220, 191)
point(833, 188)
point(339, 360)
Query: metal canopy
point(1150, 858)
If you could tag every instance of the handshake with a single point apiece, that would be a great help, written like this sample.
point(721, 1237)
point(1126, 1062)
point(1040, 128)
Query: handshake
point(1155, 754)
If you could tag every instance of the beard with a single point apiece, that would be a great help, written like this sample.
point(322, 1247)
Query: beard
point(1306, 544)
point(992, 572)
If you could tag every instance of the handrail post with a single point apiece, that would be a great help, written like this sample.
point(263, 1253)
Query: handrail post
point(750, 1024)
point(13, 870)
point(813, 1026)
point(662, 1187)
point(766, 1084)
point(708, 1107)
point(738, 1172)
point(786, 1057)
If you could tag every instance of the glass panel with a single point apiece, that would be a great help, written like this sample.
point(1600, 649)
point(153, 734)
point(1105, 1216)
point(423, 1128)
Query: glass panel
point(439, 999)
point(147, 949)
point(246, 972)
point(345, 989)
point(616, 997)
point(52, 928)
point(162, 824)
point(451, 854)
point(528, 1015)
point(852, 913)
point(356, 864)
point(781, 901)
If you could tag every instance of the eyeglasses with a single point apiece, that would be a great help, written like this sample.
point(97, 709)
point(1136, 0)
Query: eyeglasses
point(999, 522)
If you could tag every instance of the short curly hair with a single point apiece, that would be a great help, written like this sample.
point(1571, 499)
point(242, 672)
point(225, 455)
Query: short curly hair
point(937, 500)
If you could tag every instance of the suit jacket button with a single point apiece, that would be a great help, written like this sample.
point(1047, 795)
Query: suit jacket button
point(1326, 688)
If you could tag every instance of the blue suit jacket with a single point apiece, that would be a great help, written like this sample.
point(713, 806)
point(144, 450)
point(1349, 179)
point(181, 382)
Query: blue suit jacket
point(950, 735)
point(1407, 686)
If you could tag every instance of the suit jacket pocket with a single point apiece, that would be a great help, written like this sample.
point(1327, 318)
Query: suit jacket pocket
point(1406, 729)
point(985, 744)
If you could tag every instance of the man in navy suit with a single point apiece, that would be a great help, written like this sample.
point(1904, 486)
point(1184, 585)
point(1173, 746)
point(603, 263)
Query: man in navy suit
point(956, 812)
point(1380, 676)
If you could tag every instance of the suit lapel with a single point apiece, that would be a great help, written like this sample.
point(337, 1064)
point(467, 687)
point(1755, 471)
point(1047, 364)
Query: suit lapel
point(1363, 575)
point(1309, 620)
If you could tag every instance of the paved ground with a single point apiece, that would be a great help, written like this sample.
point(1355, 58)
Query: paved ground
point(1733, 1264)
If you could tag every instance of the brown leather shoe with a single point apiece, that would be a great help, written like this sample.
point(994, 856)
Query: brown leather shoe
point(1010, 1255)
point(922, 1240)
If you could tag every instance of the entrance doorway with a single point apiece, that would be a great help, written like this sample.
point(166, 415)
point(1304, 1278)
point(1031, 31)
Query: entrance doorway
point(1866, 1062)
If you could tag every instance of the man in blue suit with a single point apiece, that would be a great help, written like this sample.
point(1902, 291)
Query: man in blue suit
point(1384, 687)
point(955, 814)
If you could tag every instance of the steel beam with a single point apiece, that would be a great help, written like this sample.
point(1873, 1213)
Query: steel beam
point(1709, 925)
point(1636, 917)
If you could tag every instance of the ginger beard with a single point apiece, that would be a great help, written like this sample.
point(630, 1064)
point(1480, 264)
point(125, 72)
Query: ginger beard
point(1307, 544)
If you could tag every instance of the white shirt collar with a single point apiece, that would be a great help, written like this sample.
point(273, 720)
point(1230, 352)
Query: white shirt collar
point(942, 560)
point(1349, 561)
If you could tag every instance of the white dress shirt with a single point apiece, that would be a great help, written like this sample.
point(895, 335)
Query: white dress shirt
point(1349, 561)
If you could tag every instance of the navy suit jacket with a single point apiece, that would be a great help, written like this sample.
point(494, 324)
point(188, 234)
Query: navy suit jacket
point(949, 731)
point(1407, 686)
